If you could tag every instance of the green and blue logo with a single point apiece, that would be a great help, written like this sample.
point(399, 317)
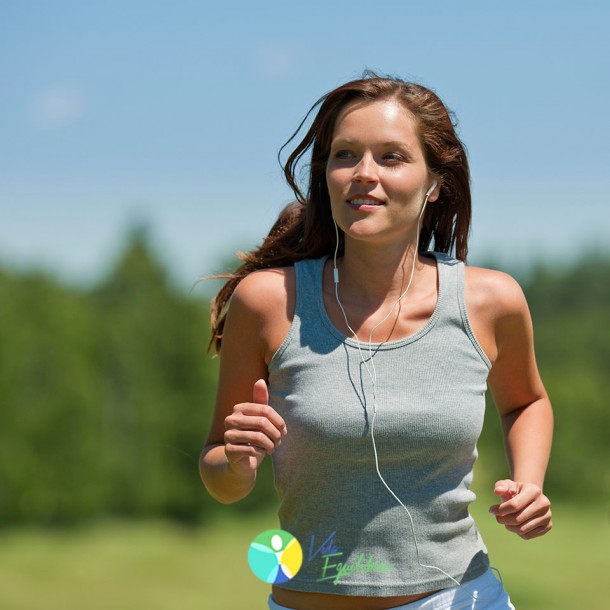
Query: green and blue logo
point(275, 556)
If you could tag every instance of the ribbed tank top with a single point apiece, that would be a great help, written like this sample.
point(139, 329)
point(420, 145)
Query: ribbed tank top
point(356, 538)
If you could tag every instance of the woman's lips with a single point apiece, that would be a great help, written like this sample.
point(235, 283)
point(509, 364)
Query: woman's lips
point(362, 202)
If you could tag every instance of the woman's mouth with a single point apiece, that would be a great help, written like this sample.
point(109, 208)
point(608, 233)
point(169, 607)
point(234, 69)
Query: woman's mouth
point(359, 202)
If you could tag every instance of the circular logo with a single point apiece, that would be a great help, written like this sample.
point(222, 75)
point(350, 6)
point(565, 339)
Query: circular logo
point(275, 556)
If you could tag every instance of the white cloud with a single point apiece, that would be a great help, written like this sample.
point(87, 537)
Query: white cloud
point(57, 107)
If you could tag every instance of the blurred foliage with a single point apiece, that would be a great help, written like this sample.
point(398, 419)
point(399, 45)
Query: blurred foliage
point(106, 394)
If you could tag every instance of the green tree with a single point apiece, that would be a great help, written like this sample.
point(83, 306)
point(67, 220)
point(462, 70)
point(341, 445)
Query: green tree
point(106, 395)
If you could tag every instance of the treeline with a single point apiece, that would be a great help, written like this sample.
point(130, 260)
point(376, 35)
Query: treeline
point(106, 393)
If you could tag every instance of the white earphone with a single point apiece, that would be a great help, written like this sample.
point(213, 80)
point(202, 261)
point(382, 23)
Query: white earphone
point(429, 191)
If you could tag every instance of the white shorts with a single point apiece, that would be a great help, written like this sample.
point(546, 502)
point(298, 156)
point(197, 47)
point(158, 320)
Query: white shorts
point(487, 589)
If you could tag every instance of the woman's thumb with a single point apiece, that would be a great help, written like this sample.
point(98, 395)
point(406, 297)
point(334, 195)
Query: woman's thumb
point(260, 393)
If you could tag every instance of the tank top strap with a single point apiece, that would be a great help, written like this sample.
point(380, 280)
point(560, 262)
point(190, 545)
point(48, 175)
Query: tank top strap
point(451, 287)
point(309, 288)
point(452, 302)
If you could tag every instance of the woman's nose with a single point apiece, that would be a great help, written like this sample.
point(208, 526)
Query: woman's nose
point(366, 169)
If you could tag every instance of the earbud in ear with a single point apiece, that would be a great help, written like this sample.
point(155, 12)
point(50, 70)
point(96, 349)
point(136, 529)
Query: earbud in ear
point(429, 191)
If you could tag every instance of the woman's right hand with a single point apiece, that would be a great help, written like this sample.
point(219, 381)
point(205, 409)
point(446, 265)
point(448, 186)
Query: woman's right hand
point(253, 430)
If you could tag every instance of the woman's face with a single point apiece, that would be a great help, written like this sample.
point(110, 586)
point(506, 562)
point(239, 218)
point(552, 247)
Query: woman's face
point(376, 174)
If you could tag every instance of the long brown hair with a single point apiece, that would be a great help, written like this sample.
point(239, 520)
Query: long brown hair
point(305, 227)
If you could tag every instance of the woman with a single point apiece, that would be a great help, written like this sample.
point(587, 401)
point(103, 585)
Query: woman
point(360, 361)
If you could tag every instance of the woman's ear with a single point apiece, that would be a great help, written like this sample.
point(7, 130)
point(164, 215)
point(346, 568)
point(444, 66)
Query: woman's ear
point(434, 191)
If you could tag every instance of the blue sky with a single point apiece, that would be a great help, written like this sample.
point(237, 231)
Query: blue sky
point(173, 113)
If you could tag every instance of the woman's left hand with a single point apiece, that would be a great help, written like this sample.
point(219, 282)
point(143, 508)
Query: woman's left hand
point(524, 509)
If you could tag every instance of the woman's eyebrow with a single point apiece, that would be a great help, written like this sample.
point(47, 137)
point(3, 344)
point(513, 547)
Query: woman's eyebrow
point(387, 144)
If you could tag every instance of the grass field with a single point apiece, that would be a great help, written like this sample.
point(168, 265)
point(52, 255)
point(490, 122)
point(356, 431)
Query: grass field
point(157, 566)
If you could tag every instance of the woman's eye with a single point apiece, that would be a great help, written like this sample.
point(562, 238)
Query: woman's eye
point(392, 157)
point(343, 154)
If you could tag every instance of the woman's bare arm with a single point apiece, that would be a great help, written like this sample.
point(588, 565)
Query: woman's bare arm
point(525, 410)
point(244, 427)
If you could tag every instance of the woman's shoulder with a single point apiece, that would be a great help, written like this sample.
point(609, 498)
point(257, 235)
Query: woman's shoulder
point(496, 291)
point(264, 303)
point(265, 289)
point(496, 307)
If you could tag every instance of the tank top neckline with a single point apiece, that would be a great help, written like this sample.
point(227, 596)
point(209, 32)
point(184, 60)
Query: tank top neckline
point(384, 345)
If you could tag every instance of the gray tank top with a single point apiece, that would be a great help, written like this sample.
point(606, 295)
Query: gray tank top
point(356, 538)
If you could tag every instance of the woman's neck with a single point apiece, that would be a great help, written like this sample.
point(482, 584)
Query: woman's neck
point(375, 275)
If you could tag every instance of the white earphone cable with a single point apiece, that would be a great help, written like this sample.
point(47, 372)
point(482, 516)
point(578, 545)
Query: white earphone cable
point(373, 376)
